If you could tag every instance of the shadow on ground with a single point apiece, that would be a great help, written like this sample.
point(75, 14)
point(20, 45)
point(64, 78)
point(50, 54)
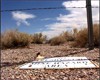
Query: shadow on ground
point(7, 64)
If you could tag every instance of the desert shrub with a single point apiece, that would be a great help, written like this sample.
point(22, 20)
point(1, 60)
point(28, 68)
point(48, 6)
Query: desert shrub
point(68, 36)
point(57, 40)
point(38, 38)
point(75, 31)
point(96, 35)
point(62, 38)
point(81, 39)
point(14, 38)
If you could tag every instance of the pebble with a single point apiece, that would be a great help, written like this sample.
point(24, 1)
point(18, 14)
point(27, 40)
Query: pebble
point(25, 54)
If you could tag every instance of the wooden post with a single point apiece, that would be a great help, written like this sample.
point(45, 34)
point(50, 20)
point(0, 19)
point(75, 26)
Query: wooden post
point(90, 25)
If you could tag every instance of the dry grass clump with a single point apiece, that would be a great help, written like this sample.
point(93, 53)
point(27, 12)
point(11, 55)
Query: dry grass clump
point(57, 40)
point(68, 36)
point(96, 35)
point(61, 39)
point(38, 38)
point(14, 38)
point(81, 39)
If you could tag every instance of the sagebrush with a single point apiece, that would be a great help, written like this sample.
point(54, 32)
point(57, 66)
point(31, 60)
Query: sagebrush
point(81, 39)
point(38, 38)
point(14, 38)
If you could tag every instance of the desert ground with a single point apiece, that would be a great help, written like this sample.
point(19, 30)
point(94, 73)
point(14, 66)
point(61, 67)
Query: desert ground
point(12, 58)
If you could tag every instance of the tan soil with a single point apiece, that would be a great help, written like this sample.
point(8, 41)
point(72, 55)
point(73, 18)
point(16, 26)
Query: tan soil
point(12, 58)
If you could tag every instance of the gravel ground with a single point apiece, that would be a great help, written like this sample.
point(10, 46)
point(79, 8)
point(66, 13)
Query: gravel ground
point(12, 58)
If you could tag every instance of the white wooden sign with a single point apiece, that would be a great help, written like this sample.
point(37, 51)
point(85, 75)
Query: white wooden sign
point(59, 63)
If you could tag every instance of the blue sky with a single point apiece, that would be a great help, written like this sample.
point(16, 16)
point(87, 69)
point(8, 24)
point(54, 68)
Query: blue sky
point(49, 22)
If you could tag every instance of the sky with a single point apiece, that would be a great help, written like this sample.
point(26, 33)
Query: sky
point(49, 22)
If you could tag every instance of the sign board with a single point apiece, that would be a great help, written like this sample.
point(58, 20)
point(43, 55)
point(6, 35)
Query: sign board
point(59, 63)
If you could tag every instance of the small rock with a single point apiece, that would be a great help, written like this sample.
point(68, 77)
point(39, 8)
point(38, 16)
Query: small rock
point(65, 78)
point(51, 77)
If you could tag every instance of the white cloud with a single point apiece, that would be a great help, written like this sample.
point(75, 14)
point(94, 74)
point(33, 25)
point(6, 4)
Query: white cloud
point(51, 33)
point(58, 26)
point(78, 15)
point(22, 17)
point(55, 29)
point(46, 19)
point(77, 18)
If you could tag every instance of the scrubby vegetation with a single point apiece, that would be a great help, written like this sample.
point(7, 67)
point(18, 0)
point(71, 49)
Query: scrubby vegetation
point(14, 38)
point(96, 35)
point(57, 40)
point(62, 38)
point(68, 36)
point(78, 38)
point(81, 39)
point(38, 38)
